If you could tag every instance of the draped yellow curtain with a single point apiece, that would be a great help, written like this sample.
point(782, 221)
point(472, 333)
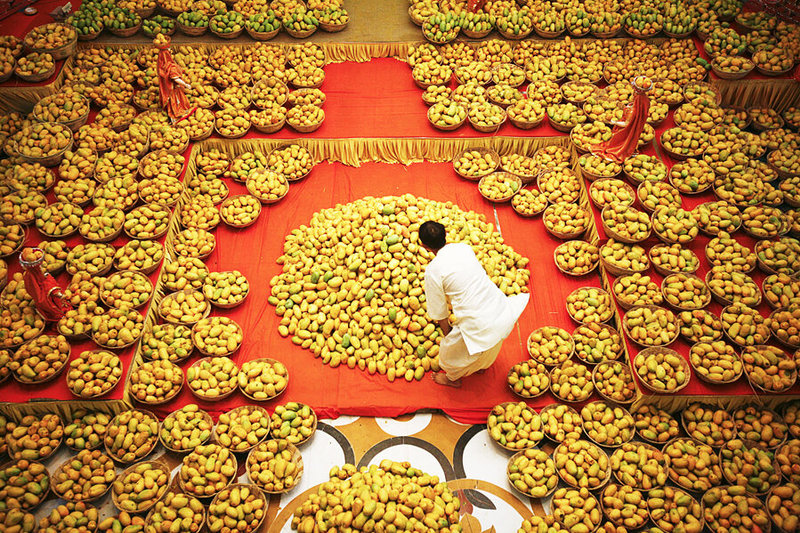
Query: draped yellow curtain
point(354, 152)
point(65, 409)
point(22, 99)
point(778, 94)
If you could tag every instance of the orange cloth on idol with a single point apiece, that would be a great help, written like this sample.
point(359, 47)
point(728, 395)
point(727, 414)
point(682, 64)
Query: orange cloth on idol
point(625, 139)
point(475, 5)
point(45, 291)
point(173, 100)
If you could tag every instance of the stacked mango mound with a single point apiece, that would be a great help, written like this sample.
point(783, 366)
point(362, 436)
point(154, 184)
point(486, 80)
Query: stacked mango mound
point(352, 291)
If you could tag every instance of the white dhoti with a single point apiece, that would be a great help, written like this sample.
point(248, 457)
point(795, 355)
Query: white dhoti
point(457, 362)
point(484, 315)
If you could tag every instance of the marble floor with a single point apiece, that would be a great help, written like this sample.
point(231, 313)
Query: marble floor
point(462, 455)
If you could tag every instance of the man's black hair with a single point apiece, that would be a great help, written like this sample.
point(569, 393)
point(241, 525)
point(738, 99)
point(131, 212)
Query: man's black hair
point(433, 235)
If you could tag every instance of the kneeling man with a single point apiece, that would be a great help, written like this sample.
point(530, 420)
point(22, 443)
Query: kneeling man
point(484, 316)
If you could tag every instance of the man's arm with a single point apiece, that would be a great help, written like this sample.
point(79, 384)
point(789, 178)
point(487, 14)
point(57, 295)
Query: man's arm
point(436, 301)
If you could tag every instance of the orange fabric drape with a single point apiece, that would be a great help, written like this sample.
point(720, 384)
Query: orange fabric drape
point(173, 99)
point(625, 139)
point(46, 293)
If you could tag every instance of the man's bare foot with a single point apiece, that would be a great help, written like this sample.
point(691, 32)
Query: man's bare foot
point(441, 379)
point(481, 371)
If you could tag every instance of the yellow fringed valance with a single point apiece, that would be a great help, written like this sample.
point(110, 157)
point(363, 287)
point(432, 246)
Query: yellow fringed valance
point(22, 99)
point(354, 152)
point(673, 404)
point(778, 94)
point(335, 52)
point(65, 409)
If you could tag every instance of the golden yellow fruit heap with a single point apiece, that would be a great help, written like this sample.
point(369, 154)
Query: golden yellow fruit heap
point(351, 289)
point(377, 497)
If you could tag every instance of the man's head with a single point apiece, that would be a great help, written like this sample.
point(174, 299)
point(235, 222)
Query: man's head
point(433, 235)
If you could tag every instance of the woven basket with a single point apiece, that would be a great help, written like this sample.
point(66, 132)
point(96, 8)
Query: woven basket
point(235, 136)
point(546, 34)
point(595, 381)
point(49, 378)
point(618, 237)
point(723, 75)
point(62, 52)
point(235, 225)
point(663, 270)
point(684, 364)
point(61, 468)
point(7, 76)
point(606, 34)
point(603, 482)
point(759, 388)
point(262, 35)
point(228, 36)
point(206, 417)
point(528, 494)
point(446, 128)
point(675, 155)
point(271, 128)
point(332, 28)
point(126, 32)
point(191, 31)
point(199, 395)
point(706, 298)
point(173, 295)
point(513, 37)
point(531, 443)
point(251, 408)
point(494, 156)
point(306, 128)
point(36, 78)
point(567, 272)
point(205, 499)
point(505, 199)
point(296, 458)
point(647, 346)
point(526, 125)
point(300, 34)
point(89, 36)
point(487, 129)
point(49, 161)
point(708, 379)
point(271, 361)
point(773, 73)
point(145, 12)
point(476, 34)
point(674, 35)
point(618, 271)
point(75, 124)
point(204, 135)
point(111, 237)
point(261, 199)
point(559, 127)
point(151, 35)
point(562, 235)
point(600, 182)
point(416, 20)
point(160, 490)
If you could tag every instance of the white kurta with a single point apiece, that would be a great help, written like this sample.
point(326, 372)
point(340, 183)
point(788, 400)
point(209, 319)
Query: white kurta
point(484, 316)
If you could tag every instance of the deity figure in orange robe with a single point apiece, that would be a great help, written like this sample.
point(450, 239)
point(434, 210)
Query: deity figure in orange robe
point(625, 139)
point(46, 293)
point(170, 83)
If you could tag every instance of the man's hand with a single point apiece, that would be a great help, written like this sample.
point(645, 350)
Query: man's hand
point(182, 83)
point(445, 325)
